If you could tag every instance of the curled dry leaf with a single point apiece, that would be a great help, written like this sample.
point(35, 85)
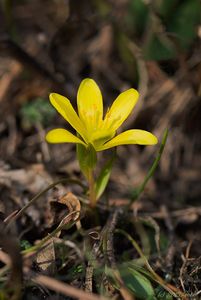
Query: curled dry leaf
point(73, 209)
point(72, 203)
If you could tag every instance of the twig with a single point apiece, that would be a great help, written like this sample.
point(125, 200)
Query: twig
point(175, 213)
point(184, 264)
point(91, 262)
point(110, 227)
point(65, 289)
point(108, 248)
point(88, 286)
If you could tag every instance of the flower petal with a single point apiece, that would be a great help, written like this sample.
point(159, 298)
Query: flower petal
point(90, 104)
point(133, 136)
point(65, 108)
point(120, 109)
point(60, 135)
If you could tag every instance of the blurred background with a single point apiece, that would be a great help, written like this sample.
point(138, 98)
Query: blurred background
point(51, 45)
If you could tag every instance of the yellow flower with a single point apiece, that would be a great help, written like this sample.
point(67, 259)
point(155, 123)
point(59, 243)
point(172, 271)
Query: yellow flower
point(92, 128)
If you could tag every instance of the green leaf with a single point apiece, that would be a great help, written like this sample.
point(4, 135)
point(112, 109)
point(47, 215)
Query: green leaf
point(137, 16)
point(87, 158)
point(104, 176)
point(159, 47)
point(185, 21)
point(138, 284)
point(24, 244)
point(167, 8)
point(37, 111)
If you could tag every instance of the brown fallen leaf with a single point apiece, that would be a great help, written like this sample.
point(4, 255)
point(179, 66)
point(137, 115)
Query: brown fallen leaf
point(45, 259)
point(73, 204)
point(66, 209)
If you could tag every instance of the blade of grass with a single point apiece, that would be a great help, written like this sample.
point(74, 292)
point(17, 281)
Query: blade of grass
point(151, 170)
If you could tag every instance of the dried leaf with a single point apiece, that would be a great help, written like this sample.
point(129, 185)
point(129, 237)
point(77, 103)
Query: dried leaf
point(73, 204)
point(73, 210)
point(45, 259)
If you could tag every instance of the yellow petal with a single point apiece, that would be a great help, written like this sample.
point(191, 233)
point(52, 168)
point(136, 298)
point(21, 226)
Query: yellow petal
point(120, 109)
point(133, 136)
point(65, 108)
point(90, 104)
point(60, 135)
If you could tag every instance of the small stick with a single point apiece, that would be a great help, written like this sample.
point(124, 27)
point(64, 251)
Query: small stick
point(108, 235)
point(65, 289)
